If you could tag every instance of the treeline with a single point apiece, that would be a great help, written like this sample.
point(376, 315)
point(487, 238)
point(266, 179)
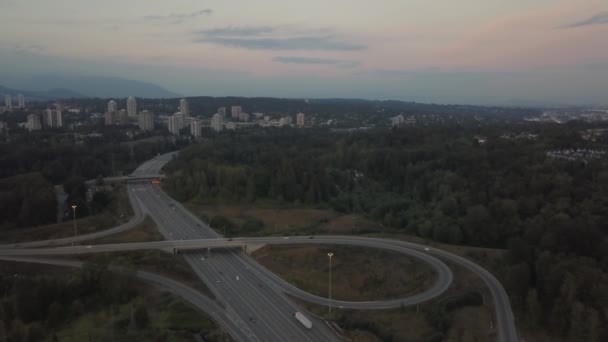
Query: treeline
point(344, 112)
point(32, 162)
point(58, 157)
point(35, 306)
point(26, 200)
point(440, 182)
point(55, 306)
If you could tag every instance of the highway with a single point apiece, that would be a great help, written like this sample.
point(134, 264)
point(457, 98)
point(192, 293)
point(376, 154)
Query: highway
point(219, 271)
point(262, 312)
point(505, 323)
point(200, 301)
point(442, 282)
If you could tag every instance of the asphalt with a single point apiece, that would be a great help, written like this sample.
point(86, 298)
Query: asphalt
point(224, 318)
point(241, 298)
point(137, 218)
point(262, 312)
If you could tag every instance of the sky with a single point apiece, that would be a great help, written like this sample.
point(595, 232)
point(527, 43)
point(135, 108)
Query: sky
point(457, 51)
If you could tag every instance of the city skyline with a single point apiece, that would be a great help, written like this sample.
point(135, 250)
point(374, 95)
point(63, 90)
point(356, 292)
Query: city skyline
point(469, 51)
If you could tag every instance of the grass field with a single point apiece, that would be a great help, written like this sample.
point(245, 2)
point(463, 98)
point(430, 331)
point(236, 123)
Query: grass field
point(357, 274)
point(287, 221)
point(117, 212)
point(370, 274)
point(145, 231)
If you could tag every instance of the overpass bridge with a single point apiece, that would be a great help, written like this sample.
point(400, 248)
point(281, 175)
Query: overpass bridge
point(131, 178)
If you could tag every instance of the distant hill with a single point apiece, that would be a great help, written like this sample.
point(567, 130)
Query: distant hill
point(45, 95)
point(97, 86)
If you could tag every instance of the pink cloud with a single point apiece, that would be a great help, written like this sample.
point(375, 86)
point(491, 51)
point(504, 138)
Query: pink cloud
point(529, 39)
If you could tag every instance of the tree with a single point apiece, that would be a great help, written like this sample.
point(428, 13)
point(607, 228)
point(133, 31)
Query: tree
point(535, 310)
point(578, 325)
point(55, 314)
point(3, 335)
point(18, 331)
point(141, 317)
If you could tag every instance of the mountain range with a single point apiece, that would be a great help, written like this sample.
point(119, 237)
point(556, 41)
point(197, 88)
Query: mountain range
point(50, 87)
point(41, 95)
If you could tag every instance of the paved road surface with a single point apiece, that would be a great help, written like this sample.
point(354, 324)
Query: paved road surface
point(265, 312)
point(138, 217)
point(175, 228)
point(200, 301)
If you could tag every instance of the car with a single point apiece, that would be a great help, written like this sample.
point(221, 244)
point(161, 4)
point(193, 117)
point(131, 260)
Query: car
point(426, 249)
point(89, 246)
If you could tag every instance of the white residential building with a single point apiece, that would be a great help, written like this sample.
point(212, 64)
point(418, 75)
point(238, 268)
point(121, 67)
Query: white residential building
point(181, 119)
point(183, 107)
point(33, 122)
point(173, 125)
point(8, 102)
point(21, 101)
point(222, 111)
point(300, 120)
point(397, 120)
point(236, 112)
point(108, 118)
point(132, 107)
point(217, 122)
point(244, 117)
point(195, 128)
point(112, 106)
point(288, 120)
point(52, 118)
point(146, 120)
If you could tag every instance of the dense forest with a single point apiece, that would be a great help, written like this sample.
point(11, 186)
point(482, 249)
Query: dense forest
point(39, 303)
point(446, 183)
point(31, 163)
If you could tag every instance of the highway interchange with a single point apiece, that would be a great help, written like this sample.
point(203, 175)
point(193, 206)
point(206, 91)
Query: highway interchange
point(254, 305)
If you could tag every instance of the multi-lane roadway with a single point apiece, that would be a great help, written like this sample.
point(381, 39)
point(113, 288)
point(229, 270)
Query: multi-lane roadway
point(253, 297)
point(263, 312)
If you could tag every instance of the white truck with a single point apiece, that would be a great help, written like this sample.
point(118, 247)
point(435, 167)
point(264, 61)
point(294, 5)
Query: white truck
point(302, 319)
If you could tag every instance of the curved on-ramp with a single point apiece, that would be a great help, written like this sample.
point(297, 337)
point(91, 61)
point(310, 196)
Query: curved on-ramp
point(236, 328)
point(505, 325)
point(504, 317)
point(137, 218)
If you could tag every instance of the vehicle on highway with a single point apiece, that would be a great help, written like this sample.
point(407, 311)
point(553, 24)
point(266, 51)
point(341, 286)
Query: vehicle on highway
point(302, 319)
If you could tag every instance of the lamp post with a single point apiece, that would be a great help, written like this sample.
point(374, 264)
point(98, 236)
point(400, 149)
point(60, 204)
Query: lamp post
point(329, 297)
point(74, 215)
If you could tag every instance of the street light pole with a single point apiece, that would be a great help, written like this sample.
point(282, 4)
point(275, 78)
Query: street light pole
point(329, 297)
point(74, 212)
